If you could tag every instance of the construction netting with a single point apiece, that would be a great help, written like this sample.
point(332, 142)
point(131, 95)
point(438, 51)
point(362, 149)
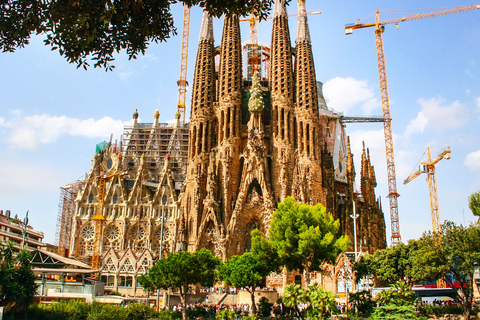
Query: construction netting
point(101, 147)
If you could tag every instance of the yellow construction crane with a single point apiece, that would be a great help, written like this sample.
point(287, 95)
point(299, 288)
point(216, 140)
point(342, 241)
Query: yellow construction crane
point(379, 28)
point(428, 167)
point(253, 20)
point(254, 59)
point(183, 83)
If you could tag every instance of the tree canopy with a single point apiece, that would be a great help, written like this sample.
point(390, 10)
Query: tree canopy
point(453, 256)
point(180, 270)
point(474, 203)
point(17, 281)
point(392, 264)
point(243, 271)
point(305, 236)
point(97, 29)
point(248, 270)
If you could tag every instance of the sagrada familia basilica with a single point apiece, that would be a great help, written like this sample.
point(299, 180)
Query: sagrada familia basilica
point(259, 131)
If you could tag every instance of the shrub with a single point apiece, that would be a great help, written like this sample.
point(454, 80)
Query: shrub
point(225, 314)
point(264, 307)
point(140, 311)
point(441, 310)
point(107, 312)
point(71, 309)
point(169, 315)
point(394, 312)
point(362, 302)
point(399, 294)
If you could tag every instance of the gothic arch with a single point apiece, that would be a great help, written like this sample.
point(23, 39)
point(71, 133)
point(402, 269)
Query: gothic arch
point(137, 236)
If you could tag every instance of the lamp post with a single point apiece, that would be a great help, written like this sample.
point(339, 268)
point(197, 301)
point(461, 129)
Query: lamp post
point(25, 223)
point(164, 202)
point(354, 216)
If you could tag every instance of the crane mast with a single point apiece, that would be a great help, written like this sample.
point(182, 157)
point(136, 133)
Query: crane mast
point(99, 219)
point(429, 168)
point(183, 83)
point(382, 71)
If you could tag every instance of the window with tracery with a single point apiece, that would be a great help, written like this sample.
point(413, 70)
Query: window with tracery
point(109, 266)
point(137, 237)
point(88, 232)
point(127, 267)
point(112, 238)
point(167, 237)
point(87, 235)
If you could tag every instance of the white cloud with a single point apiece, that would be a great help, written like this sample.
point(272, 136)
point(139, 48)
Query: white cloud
point(150, 57)
point(23, 178)
point(478, 104)
point(125, 75)
point(343, 94)
point(436, 114)
point(472, 160)
point(28, 132)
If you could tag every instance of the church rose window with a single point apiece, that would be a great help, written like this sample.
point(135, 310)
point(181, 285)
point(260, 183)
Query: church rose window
point(88, 233)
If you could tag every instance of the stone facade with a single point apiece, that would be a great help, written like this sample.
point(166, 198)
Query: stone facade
point(243, 161)
point(252, 141)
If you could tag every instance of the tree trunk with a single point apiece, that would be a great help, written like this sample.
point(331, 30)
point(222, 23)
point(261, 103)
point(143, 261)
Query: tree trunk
point(183, 302)
point(468, 294)
point(253, 310)
point(306, 277)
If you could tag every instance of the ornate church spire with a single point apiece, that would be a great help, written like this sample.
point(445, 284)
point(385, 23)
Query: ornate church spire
point(279, 9)
point(203, 93)
point(282, 95)
point(206, 30)
point(303, 31)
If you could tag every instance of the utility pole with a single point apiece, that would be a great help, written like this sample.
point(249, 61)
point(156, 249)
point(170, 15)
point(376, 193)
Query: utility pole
point(354, 216)
point(25, 223)
point(164, 202)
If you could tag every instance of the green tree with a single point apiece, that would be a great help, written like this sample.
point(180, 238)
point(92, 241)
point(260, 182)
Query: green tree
point(292, 296)
point(474, 203)
point(181, 270)
point(453, 255)
point(391, 264)
point(264, 307)
point(399, 294)
point(322, 302)
point(17, 281)
point(248, 270)
point(305, 236)
point(362, 302)
point(97, 29)
point(393, 312)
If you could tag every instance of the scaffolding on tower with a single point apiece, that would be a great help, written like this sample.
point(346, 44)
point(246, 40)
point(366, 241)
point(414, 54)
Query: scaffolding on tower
point(66, 211)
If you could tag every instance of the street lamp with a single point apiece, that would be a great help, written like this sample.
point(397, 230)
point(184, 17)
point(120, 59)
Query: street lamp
point(164, 202)
point(25, 223)
point(354, 216)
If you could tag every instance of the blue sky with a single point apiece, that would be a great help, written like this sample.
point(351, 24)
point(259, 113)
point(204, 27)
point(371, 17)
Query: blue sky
point(52, 115)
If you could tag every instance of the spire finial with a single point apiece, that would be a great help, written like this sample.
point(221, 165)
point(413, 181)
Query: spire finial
point(303, 32)
point(206, 30)
point(280, 9)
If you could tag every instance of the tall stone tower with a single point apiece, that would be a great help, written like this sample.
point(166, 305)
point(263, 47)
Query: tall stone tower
point(283, 122)
point(259, 139)
point(307, 180)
